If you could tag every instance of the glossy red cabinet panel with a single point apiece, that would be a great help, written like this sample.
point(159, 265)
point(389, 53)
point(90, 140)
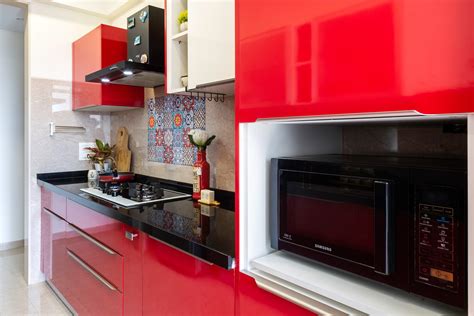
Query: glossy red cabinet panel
point(53, 248)
point(132, 274)
point(103, 46)
point(251, 300)
point(53, 202)
point(87, 294)
point(175, 283)
point(314, 57)
point(99, 256)
point(104, 229)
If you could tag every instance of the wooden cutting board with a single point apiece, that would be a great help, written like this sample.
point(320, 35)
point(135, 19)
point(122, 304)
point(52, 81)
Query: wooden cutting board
point(123, 155)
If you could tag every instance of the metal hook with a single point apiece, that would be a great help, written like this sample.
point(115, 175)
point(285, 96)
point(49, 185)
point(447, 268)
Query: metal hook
point(191, 94)
point(203, 99)
point(216, 97)
point(198, 95)
point(223, 96)
point(209, 98)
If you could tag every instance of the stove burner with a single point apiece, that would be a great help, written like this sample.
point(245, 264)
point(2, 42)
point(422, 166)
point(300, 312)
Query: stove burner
point(139, 192)
point(142, 192)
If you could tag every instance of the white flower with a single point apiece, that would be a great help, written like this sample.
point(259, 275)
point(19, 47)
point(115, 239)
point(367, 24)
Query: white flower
point(200, 138)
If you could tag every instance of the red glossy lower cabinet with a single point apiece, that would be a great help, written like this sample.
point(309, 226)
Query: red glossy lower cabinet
point(89, 293)
point(251, 300)
point(132, 271)
point(176, 283)
point(53, 202)
point(106, 230)
point(102, 258)
point(53, 246)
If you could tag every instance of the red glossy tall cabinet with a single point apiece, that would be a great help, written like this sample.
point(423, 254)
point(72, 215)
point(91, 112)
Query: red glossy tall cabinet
point(313, 57)
point(318, 57)
point(101, 47)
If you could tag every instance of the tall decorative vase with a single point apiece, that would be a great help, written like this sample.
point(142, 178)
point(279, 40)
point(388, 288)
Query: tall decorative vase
point(201, 174)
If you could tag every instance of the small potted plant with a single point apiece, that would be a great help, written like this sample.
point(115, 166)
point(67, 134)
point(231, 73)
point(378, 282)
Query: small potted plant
point(183, 20)
point(101, 156)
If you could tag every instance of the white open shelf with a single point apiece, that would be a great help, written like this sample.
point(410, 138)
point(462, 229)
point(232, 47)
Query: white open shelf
point(176, 47)
point(183, 36)
point(177, 90)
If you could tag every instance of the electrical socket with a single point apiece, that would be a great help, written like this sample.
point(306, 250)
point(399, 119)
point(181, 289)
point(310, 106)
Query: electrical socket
point(83, 151)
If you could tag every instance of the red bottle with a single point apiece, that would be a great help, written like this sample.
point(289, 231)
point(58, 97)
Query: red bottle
point(201, 174)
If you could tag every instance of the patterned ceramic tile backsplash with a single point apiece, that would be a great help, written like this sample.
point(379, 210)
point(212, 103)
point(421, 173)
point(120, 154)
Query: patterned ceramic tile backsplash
point(216, 117)
point(170, 118)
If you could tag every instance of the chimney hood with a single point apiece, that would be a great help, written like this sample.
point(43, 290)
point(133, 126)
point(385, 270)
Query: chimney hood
point(131, 74)
point(145, 64)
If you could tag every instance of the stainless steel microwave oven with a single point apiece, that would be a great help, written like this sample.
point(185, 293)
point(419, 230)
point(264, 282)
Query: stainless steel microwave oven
point(399, 221)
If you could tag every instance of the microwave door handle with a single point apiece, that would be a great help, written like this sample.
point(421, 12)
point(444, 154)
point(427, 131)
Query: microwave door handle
point(382, 228)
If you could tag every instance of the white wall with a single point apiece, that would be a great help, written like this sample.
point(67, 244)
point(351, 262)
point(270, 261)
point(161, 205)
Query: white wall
point(11, 142)
point(121, 20)
point(50, 33)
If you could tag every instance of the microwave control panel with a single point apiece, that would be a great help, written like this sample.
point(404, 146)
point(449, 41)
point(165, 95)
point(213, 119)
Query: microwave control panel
point(435, 248)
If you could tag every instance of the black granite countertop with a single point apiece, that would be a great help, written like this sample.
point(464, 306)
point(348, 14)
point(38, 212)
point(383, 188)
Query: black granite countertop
point(202, 231)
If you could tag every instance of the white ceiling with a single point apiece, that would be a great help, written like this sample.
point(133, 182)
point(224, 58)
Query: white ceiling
point(103, 8)
point(12, 18)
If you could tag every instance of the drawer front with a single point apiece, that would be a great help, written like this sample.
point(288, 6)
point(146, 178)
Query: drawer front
point(106, 230)
point(90, 293)
point(53, 202)
point(53, 246)
point(100, 257)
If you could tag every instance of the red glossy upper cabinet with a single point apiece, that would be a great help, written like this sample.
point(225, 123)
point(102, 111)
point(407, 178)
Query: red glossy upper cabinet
point(312, 57)
point(101, 47)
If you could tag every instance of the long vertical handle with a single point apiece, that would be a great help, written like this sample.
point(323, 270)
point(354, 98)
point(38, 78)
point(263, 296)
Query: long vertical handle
point(382, 228)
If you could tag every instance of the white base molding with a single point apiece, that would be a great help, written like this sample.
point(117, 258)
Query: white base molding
point(12, 245)
point(328, 291)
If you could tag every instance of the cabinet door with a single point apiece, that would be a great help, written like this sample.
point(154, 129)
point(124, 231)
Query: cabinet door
point(211, 53)
point(132, 273)
point(101, 47)
point(53, 244)
point(251, 300)
point(314, 57)
point(176, 283)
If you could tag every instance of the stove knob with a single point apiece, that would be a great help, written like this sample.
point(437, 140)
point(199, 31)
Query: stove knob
point(114, 193)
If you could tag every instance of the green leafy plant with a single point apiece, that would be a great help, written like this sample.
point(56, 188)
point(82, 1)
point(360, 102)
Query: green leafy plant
point(183, 17)
point(200, 138)
point(101, 153)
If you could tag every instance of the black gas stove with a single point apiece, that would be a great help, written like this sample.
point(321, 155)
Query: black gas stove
point(133, 190)
point(131, 194)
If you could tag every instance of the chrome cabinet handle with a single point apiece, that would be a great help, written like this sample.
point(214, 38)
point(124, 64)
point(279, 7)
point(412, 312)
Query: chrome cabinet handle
point(86, 267)
point(180, 250)
point(92, 240)
point(130, 236)
point(51, 213)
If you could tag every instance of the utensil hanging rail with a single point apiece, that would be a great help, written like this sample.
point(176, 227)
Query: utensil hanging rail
point(53, 129)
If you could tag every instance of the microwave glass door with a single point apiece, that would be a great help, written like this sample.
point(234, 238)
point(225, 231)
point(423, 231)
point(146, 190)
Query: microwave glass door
point(331, 214)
